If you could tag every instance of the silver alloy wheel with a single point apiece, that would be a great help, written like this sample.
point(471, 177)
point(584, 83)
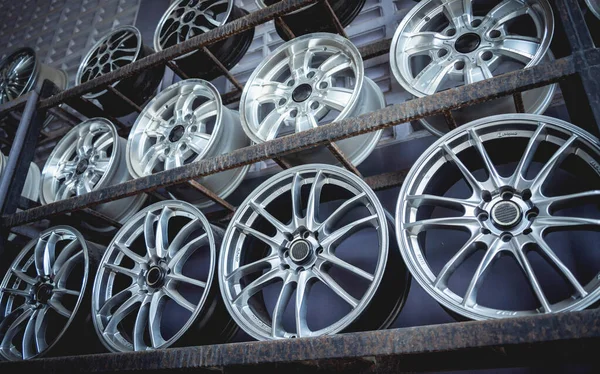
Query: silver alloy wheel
point(156, 279)
point(43, 292)
point(594, 6)
point(21, 71)
point(89, 157)
point(309, 81)
point(185, 123)
point(511, 212)
point(442, 44)
point(31, 189)
point(281, 234)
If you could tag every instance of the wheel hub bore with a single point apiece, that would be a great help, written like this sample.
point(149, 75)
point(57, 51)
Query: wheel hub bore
point(506, 214)
point(467, 43)
point(300, 251)
point(82, 166)
point(43, 293)
point(176, 133)
point(302, 92)
point(155, 276)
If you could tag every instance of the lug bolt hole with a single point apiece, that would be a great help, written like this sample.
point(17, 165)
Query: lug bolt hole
point(291, 82)
point(459, 65)
point(483, 216)
point(188, 117)
point(451, 32)
point(323, 85)
point(314, 105)
point(526, 194)
point(476, 23)
point(506, 237)
point(310, 74)
point(485, 231)
point(194, 128)
point(442, 53)
point(486, 196)
point(495, 34)
point(527, 231)
point(183, 147)
point(167, 150)
point(282, 102)
point(507, 195)
point(294, 113)
point(306, 234)
point(486, 56)
point(532, 215)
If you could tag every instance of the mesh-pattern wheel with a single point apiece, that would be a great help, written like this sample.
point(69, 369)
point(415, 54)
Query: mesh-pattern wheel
point(442, 44)
point(44, 296)
point(289, 265)
point(505, 193)
point(89, 157)
point(309, 81)
point(186, 19)
point(185, 123)
point(156, 283)
point(118, 48)
point(315, 17)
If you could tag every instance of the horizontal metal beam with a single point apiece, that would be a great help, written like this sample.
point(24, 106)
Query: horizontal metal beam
point(506, 84)
point(15, 104)
point(373, 350)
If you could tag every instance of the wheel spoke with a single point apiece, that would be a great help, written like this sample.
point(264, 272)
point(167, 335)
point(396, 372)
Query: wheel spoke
point(505, 11)
point(129, 253)
point(125, 309)
point(269, 262)
point(533, 281)
point(442, 201)
point(349, 229)
point(467, 175)
point(430, 78)
point(63, 272)
point(520, 48)
point(162, 232)
point(103, 142)
point(141, 321)
point(342, 210)
point(28, 348)
point(305, 122)
point(441, 281)
point(16, 326)
point(206, 110)
point(149, 235)
point(302, 291)
point(181, 254)
point(296, 192)
point(269, 126)
point(287, 289)
point(458, 12)
point(179, 299)
point(458, 223)
point(117, 299)
point(185, 279)
point(488, 259)
point(155, 319)
point(337, 98)
point(557, 202)
point(273, 242)
point(45, 254)
point(279, 226)
point(151, 157)
point(122, 270)
point(57, 306)
point(527, 157)
point(41, 322)
point(422, 43)
point(16, 292)
point(564, 223)
point(347, 266)
point(494, 177)
point(257, 285)
point(335, 287)
point(314, 198)
point(24, 277)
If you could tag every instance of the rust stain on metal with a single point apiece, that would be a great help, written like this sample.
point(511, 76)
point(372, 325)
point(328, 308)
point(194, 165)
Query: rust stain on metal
point(211, 195)
point(387, 180)
point(133, 105)
point(339, 155)
point(335, 19)
point(223, 69)
point(519, 105)
point(171, 65)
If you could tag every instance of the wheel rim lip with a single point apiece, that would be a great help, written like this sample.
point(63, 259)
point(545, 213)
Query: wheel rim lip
point(165, 17)
point(594, 7)
point(31, 81)
point(110, 344)
point(354, 54)
point(31, 245)
point(47, 179)
point(169, 90)
point(400, 31)
point(348, 319)
point(409, 255)
point(92, 51)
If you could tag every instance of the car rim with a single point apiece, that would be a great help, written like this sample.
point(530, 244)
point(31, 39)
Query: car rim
point(448, 43)
point(186, 123)
point(32, 181)
point(159, 267)
point(514, 211)
point(87, 158)
point(594, 6)
point(310, 81)
point(299, 250)
point(42, 292)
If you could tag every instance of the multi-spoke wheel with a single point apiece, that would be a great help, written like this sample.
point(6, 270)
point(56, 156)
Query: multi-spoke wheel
point(442, 44)
point(499, 218)
point(185, 123)
point(44, 296)
point(306, 254)
point(118, 48)
point(315, 17)
point(594, 6)
point(89, 157)
point(31, 189)
point(309, 81)
point(156, 285)
point(186, 19)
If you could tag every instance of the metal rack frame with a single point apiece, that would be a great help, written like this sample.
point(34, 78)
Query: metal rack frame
point(578, 74)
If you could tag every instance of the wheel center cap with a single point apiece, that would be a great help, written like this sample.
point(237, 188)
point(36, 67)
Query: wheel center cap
point(155, 276)
point(43, 293)
point(506, 214)
point(467, 43)
point(82, 166)
point(300, 250)
point(302, 92)
point(176, 133)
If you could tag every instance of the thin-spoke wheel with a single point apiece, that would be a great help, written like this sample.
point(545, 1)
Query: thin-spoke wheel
point(89, 157)
point(31, 189)
point(44, 295)
point(441, 44)
point(290, 265)
point(118, 48)
point(505, 193)
point(186, 19)
point(315, 17)
point(185, 123)
point(310, 81)
point(156, 284)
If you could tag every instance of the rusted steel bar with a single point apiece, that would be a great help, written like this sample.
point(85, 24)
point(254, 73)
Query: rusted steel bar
point(282, 163)
point(450, 119)
point(375, 49)
point(285, 28)
point(454, 98)
point(519, 105)
point(231, 97)
point(15, 104)
point(62, 114)
point(335, 19)
point(159, 58)
point(127, 100)
point(211, 195)
point(223, 69)
point(101, 217)
point(371, 351)
point(339, 155)
point(173, 66)
point(387, 180)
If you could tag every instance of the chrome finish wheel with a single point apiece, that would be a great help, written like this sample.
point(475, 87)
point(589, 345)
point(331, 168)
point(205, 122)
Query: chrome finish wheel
point(501, 188)
point(32, 181)
point(89, 157)
point(186, 123)
point(120, 47)
point(287, 268)
point(309, 81)
point(594, 6)
point(442, 44)
point(186, 19)
point(43, 294)
point(315, 17)
point(21, 72)
point(155, 286)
